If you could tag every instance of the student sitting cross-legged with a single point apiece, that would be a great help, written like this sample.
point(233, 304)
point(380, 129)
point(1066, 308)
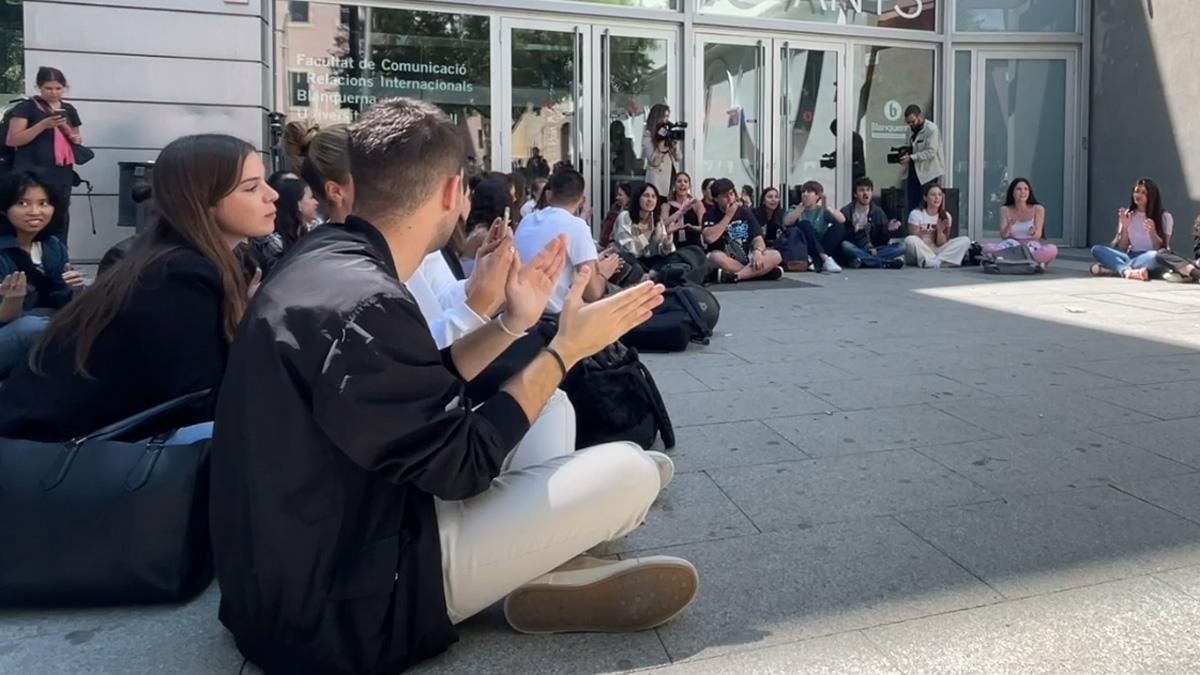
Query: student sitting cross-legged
point(821, 225)
point(869, 231)
point(366, 505)
point(735, 239)
point(928, 243)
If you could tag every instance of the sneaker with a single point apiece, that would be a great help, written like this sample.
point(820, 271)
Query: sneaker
point(666, 468)
point(854, 263)
point(933, 263)
point(830, 265)
point(894, 263)
point(1176, 278)
point(590, 595)
point(774, 275)
point(724, 277)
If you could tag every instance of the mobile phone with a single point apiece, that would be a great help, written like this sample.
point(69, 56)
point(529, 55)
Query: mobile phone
point(507, 214)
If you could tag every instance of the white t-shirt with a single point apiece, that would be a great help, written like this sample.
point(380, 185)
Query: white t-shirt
point(1139, 238)
point(539, 228)
point(927, 222)
point(527, 208)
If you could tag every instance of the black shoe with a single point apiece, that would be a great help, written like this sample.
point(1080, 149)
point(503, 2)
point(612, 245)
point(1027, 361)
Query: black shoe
point(894, 263)
point(774, 275)
point(725, 277)
point(854, 263)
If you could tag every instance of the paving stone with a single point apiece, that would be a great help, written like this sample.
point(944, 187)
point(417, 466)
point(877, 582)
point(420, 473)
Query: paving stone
point(675, 381)
point(1052, 542)
point(1053, 461)
point(1177, 494)
point(774, 588)
point(1020, 380)
point(1131, 626)
point(1164, 401)
point(834, 489)
point(1153, 370)
point(713, 446)
point(1030, 415)
point(887, 391)
point(794, 374)
point(833, 655)
point(691, 509)
point(847, 433)
point(1185, 580)
point(750, 403)
point(1175, 439)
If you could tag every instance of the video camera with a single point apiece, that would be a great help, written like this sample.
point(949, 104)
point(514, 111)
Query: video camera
point(897, 152)
point(829, 160)
point(671, 132)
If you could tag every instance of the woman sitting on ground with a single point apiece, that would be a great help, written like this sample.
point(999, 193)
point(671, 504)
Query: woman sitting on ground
point(535, 193)
point(770, 214)
point(157, 326)
point(643, 235)
point(1182, 269)
point(1023, 223)
point(693, 212)
point(296, 210)
point(619, 205)
point(1142, 229)
point(928, 243)
point(36, 278)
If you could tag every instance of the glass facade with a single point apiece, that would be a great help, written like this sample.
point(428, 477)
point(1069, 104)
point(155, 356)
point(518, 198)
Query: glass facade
point(12, 51)
point(764, 100)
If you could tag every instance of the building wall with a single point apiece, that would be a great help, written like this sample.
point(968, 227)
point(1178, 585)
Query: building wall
point(143, 72)
point(1144, 110)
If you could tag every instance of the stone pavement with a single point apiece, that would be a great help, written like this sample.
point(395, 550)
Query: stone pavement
point(893, 472)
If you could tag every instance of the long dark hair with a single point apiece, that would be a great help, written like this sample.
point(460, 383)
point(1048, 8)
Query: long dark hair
point(1154, 204)
point(288, 222)
point(658, 114)
point(635, 202)
point(943, 216)
point(13, 187)
point(1010, 200)
point(191, 175)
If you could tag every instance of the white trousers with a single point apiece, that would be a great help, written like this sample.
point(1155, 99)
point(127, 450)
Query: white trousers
point(919, 252)
point(547, 506)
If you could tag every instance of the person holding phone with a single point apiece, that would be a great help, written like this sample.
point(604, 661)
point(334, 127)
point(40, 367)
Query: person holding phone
point(1142, 229)
point(44, 131)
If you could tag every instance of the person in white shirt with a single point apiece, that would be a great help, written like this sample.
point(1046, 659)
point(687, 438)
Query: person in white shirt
point(928, 243)
point(559, 219)
point(1142, 229)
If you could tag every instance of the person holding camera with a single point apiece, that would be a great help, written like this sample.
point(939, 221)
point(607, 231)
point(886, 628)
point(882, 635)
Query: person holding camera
point(922, 159)
point(44, 132)
point(660, 148)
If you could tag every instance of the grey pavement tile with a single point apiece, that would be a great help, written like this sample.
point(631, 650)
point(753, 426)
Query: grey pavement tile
point(833, 655)
point(835, 489)
point(691, 509)
point(788, 374)
point(1037, 414)
point(185, 639)
point(775, 588)
point(847, 433)
point(833, 351)
point(1122, 347)
point(1068, 458)
point(487, 646)
point(1153, 370)
point(1164, 401)
point(692, 358)
point(675, 381)
point(746, 404)
point(1038, 379)
point(888, 391)
point(1131, 626)
point(713, 446)
point(1175, 439)
point(1185, 579)
point(1177, 494)
point(1044, 543)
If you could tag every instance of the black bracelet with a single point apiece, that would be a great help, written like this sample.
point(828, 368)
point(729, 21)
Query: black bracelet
point(562, 365)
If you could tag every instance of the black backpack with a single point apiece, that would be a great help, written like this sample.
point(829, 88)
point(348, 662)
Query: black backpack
point(8, 154)
point(689, 313)
point(616, 399)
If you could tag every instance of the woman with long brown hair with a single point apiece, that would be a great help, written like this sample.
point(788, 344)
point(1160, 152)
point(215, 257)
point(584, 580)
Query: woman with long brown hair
point(1142, 229)
point(929, 243)
point(157, 325)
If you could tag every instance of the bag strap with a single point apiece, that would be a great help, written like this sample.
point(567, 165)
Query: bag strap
point(661, 417)
point(117, 428)
point(689, 304)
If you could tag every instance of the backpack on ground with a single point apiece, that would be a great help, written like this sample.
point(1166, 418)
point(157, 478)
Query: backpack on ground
point(616, 399)
point(792, 248)
point(8, 155)
point(688, 314)
point(1010, 260)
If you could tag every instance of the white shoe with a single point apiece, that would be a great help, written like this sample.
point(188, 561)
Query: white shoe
point(830, 265)
point(666, 468)
point(933, 263)
point(603, 596)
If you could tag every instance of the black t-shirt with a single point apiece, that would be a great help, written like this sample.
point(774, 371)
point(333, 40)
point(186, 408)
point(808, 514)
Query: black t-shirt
point(687, 237)
point(40, 151)
point(772, 224)
point(743, 228)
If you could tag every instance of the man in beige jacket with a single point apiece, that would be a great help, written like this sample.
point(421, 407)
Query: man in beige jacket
point(926, 164)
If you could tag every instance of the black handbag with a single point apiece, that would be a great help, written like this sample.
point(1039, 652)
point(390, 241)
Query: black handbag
point(83, 154)
point(100, 520)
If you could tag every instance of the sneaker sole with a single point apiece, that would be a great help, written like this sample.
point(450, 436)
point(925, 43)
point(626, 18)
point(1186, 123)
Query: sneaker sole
point(636, 599)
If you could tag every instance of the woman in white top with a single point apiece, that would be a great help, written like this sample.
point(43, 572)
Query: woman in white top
point(1142, 229)
point(1023, 223)
point(928, 243)
point(662, 158)
point(642, 233)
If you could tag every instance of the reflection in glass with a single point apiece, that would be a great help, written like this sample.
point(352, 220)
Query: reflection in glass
point(905, 14)
point(960, 164)
point(732, 121)
point(12, 53)
point(544, 88)
point(348, 57)
point(1025, 16)
point(808, 136)
point(1024, 127)
point(887, 80)
point(637, 69)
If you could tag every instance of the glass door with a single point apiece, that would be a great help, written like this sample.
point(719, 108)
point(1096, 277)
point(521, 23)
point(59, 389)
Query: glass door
point(1023, 126)
point(732, 112)
point(806, 145)
point(549, 113)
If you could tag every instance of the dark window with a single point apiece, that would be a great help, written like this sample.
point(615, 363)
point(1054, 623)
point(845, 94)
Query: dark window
point(12, 51)
point(299, 94)
point(298, 12)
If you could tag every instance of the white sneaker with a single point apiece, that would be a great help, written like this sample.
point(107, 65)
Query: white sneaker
point(830, 265)
point(603, 596)
point(666, 467)
point(933, 263)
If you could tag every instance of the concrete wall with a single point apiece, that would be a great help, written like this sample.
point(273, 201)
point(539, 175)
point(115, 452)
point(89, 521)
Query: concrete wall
point(1145, 110)
point(144, 72)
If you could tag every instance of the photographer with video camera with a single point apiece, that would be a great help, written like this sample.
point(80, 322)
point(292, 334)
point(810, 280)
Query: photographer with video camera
point(660, 147)
point(922, 157)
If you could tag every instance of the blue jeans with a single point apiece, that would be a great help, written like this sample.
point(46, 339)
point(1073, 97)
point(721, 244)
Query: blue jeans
point(884, 253)
point(1118, 262)
point(17, 338)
